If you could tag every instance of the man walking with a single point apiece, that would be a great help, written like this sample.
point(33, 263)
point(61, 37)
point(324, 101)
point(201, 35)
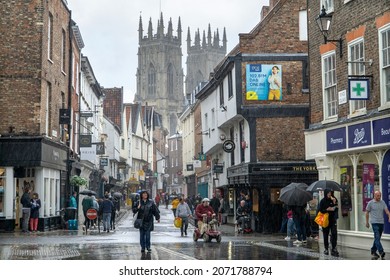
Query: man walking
point(374, 214)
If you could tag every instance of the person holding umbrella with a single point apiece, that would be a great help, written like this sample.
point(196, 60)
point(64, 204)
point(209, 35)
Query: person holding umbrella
point(329, 205)
point(299, 218)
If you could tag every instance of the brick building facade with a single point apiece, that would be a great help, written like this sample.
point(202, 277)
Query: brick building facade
point(268, 133)
point(349, 135)
point(36, 78)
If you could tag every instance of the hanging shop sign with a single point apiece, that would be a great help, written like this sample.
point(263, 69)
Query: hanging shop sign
point(228, 146)
point(359, 89)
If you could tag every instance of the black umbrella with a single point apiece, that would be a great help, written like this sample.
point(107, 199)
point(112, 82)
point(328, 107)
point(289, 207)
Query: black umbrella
point(295, 194)
point(321, 185)
point(87, 192)
point(117, 195)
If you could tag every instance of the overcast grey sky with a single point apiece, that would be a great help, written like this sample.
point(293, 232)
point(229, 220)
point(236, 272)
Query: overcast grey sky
point(110, 30)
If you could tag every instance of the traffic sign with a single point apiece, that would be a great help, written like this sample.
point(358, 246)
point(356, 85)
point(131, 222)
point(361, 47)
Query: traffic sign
point(91, 214)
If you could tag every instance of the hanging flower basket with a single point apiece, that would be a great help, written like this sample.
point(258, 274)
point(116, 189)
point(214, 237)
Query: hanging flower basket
point(78, 181)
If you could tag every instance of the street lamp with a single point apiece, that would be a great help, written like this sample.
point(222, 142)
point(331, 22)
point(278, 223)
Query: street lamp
point(324, 21)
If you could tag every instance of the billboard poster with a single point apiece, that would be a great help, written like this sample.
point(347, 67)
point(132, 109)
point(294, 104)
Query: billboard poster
point(263, 82)
point(386, 185)
point(368, 183)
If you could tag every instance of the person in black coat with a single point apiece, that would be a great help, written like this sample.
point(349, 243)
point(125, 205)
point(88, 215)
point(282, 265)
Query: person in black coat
point(106, 210)
point(329, 205)
point(26, 208)
point(145, 209)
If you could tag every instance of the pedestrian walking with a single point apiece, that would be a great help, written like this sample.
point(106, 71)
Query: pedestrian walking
point(34, 215)
point(290, 225)
point(175, 203)
point(116, 203)
point(183, 211)
point(26, 208)
point(328, 205)
point(166, 200)
point(215, 203)
point(106, 209)
point(146, 209)
point(87, 203)
point(96, 207)
point(374, 215)
point(299, 217)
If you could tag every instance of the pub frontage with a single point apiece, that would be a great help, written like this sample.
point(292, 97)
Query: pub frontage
point(263, 182)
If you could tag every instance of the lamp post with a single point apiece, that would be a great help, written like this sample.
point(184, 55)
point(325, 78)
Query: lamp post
point(324, 22)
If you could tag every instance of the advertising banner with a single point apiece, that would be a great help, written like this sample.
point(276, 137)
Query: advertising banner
point(263, 82)
point(368, 183)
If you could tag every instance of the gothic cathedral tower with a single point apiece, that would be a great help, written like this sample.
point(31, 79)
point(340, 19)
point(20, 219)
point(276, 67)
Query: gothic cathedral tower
point(160, 72)
point(203, 56)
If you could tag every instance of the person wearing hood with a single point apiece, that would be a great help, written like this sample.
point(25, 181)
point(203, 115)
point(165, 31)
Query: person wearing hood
point(329, 205)
point(145, 208)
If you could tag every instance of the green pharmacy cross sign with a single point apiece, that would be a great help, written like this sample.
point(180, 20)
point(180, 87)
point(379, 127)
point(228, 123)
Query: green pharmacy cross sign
point(359, 89)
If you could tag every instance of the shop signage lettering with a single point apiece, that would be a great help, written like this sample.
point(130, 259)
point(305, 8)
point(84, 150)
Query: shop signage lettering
point(335, 139)
point(381, 131)
point(359, 135)
point(304, 168)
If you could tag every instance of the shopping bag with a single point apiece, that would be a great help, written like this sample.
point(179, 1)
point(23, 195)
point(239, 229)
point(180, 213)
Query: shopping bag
point(138, 223)
point(322, 219)
point(178, 222)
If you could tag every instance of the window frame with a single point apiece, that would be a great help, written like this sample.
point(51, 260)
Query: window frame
point(384, 100)
point(328, 4)
point(326, 115)
point(353, 104)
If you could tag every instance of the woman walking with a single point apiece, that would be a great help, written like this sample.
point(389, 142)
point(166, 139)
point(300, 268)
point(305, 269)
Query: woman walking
point(145, 209)
point(183, 211)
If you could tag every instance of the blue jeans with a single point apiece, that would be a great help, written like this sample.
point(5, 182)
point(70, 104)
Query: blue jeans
point(300, 226)
point(106, 221)
point(378, 230)
point(290, 228)
point(144, 238)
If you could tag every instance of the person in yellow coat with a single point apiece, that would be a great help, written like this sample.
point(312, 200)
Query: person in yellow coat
point(175, 202)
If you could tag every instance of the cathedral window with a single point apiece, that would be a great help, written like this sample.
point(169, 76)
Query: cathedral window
point(170, 80)
point(151, 81)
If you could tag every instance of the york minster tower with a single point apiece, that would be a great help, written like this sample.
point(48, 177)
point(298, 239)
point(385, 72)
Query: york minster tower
point(203, 56)
point(160, 72)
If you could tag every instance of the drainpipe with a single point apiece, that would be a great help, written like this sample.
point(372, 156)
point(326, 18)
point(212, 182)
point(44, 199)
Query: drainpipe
point(70, 75)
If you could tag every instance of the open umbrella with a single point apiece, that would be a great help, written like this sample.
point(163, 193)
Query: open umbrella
point(295, 194)
point(321, 185)
point(117, 195)
point(87, 192)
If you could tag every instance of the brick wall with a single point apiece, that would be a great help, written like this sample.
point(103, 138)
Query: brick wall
point(280, 137)
point(347, 18)
point(25, 70)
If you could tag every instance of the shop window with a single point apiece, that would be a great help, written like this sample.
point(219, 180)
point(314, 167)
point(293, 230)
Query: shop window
point(2, 187)
point(367, 183)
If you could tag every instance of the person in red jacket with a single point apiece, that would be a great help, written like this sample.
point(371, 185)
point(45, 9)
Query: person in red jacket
point(203, 209)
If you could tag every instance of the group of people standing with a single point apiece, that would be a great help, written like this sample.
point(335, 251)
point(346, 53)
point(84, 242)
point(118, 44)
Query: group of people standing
point(106, 208)
point(375, 210)
point(30, 210)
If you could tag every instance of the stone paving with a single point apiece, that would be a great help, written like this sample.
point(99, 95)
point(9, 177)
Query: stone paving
point(166, 241)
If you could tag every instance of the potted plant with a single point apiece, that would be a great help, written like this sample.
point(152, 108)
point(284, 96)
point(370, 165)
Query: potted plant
point(78, 181)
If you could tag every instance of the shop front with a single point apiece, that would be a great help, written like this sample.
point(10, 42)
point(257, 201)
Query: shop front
point(38, 164)
point(261, 183)
point(358, 157)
